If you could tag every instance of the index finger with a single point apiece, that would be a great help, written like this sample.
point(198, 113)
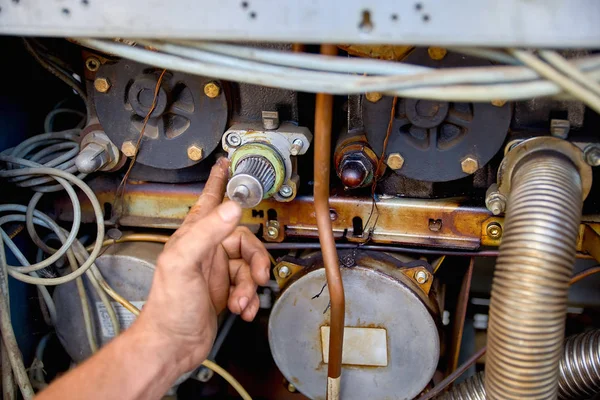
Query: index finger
point(213, 192)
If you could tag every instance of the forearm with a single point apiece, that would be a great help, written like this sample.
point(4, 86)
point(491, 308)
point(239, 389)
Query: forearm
point(136, 365)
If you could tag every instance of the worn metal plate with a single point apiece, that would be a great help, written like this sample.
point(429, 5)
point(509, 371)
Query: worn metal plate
point(365, 347)
point(533, 23)
point(373, 300)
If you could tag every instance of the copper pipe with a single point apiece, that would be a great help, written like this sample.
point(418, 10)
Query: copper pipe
point(298, 47)
point(323, 118)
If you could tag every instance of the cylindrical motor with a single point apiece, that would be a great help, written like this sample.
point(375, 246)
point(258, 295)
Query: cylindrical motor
point(391, 344)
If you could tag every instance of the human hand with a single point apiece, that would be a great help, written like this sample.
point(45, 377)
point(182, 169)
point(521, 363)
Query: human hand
point(207, 264)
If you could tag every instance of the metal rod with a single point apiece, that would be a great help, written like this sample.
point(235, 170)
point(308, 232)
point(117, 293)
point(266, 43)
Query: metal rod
point(323, 120)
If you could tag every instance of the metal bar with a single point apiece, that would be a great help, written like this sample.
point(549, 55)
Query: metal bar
point(513, 23)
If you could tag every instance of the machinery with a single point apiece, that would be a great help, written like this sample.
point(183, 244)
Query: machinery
point(426, 191)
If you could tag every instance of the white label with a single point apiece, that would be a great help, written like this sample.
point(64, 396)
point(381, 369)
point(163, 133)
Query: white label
point(125, 317)
point(362, 346)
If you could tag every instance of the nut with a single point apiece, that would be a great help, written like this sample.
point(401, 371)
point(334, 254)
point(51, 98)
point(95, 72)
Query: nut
point(469, 165)
point(284, 272)
point(212, 90)
point(395, 161)
point(494, 200)
point(128, 148)
point(102, 85)
point(592, 155)
point(374, 97)
point(194, 153)
point(421, 277)
point(494, 230)
point(92, 64)
point(498, 103)
point(437, 53)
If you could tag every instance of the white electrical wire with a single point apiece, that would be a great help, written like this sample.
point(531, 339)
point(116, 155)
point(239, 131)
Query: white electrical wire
point(49, 120)
point(460, 84)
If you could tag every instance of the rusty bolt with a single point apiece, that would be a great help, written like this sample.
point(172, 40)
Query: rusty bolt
point(102, 85)
point(395, 161)
point(494, 230)
point(374, 97)
point(291, 388)
point(128, 148)
point(469, 165)
point(437, 53)
point(92, 64)
point(212, 90)
point(284, 272)
point(194, 153)
point(498, 103)
point(421, 277)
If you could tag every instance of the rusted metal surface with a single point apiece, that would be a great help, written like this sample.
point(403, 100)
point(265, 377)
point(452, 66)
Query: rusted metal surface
point(460, 315)
point(590, 241)
point(383, 52)
point(323, 121)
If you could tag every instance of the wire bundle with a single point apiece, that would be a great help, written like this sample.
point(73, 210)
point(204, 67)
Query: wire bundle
point(337, 75)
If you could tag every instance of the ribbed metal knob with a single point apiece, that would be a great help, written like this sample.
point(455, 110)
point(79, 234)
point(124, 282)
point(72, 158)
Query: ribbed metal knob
point(253, 177)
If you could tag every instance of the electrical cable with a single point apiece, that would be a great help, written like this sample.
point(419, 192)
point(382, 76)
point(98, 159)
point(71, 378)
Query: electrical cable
point(584, 274)
point(461, 84)
point(567, 68)
point(49, 120)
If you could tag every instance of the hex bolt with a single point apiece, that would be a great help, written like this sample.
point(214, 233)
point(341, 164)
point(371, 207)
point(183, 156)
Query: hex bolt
point(374, 97)
point(233, 139)
point(102, 85)
point(286, 191)
point(421, 277)
point(270, 120)
point(494, 200)
point(469, 165)
point(272, 232)
point(437, 53)
point(494, 230)
point(498, 103)
point(195, 153)
point(395, 161)
point(128, 148)
point(592, 155)
point(212, 90)
point(284, 272)
point(297, 145)
point(560, 128)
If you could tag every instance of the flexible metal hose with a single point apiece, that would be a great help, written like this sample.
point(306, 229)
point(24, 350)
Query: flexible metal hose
point(579, 376)
point(531, 279)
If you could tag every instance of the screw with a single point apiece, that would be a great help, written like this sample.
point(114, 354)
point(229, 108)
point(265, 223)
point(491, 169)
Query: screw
point(498, 103)
point(212, 90)
point(469, 165)
point(128, 148)
point(421, 277)
point(102, 85)
point(395, 161)
point(374, 97)
point(92, 64)
point(272, 232)
point(297, 145)
point(194, 153)
point(435, 225)
point(592, 155)
point(291, 388)
point(494, 230)
point(233, 139)
point(333, 215)
point(284, 272)
point(437, 53)
point(286, 191)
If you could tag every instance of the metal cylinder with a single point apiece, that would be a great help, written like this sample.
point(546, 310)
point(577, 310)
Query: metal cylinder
point(254, 176)
point(579, 373)
point(531, 279)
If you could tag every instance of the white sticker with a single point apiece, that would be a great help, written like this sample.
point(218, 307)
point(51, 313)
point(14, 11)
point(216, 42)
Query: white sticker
point(125, 317)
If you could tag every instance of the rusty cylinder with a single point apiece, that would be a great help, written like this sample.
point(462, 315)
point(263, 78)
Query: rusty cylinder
point(531, 280)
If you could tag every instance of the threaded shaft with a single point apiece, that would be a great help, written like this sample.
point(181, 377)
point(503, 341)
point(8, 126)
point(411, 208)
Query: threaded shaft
point(258, 167)
point(531, 279)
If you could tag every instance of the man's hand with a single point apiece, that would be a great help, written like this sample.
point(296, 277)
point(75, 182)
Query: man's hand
point(209, 263)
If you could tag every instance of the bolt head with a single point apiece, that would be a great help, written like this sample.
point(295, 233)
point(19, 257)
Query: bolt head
point(437, 53)
point(102, 85)
point(374, 97)
point(212, 90)
point(421, 277)
point(469, 165)
point(291, 388)
point(195, 153)
point(286, 191)
point(233, 140)
point(592, 155)
point(284, 272)
point(498, 103)
point(494, 230)
point(92, 64)
point(272, 232)
point(128, 148)
point(297, 145)
point(395, 161)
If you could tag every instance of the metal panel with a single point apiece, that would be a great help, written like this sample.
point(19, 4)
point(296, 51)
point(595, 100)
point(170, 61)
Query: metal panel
point(536, 23)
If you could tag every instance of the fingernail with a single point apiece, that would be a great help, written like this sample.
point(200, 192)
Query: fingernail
point(230, 211)
point(243, 302)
